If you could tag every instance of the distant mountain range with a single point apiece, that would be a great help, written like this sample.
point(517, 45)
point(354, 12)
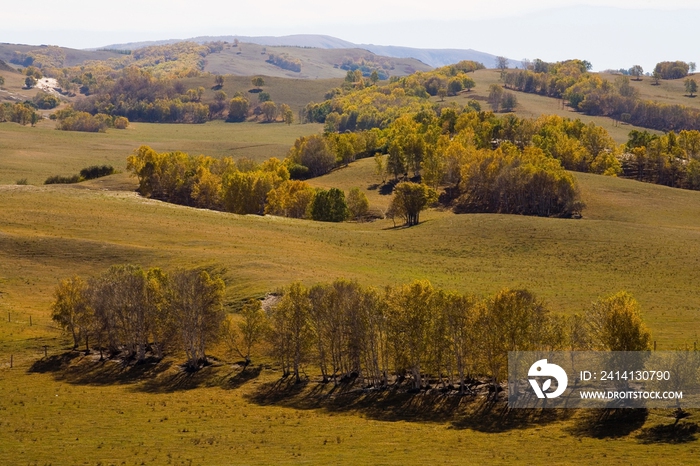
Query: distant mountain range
point(431, 57)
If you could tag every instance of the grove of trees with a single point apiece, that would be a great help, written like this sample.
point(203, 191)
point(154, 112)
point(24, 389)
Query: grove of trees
point(350, 333)
point(592, 95)
point(131, 311)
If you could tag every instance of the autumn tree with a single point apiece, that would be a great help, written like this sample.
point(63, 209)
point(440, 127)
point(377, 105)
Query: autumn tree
point(269, 110)
point(71, 308)
point(691, 87)
point(616, 324)
point(219, 81)
point(292, 199)
point(292, 331)
point(287, 113)
point(195, 299)
point(238, 109)
point(410, 199)
point(512, 320)
point(313, 152)
point(502, 63)
point(248, 331)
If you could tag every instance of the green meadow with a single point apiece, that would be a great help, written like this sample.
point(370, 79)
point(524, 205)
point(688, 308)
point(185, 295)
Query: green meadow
point(72, 409)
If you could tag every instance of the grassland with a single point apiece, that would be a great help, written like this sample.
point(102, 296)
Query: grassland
point(639, 237)
point(316, 63)
point(38, 152)
point(534, 105)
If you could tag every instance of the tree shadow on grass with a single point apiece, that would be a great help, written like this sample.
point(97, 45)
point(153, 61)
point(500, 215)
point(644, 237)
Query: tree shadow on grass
point(683, 432)
point(397, 403)
point(241, 378)
point(152, 375)
point(54, 363)
point(495, 417)
point(608, 423)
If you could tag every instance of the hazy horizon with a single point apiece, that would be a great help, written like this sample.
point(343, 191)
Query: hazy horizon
point(612, 34)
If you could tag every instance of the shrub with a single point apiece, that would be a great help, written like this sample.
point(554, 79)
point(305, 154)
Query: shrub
point(58, 179)
point(46, 101)
point(96, 171)
point(121, 123)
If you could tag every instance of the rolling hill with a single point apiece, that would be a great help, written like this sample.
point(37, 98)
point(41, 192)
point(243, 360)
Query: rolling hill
point(431, 57)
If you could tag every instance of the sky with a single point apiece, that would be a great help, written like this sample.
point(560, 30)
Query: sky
point(608, 33)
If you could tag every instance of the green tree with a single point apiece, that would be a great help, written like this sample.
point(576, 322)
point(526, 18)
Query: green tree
point(468, 83)
point(258, 82)
point(358, 204)
point(509, 101)
point(30, 82)
point(410, 199)
point(329, 206)
point(637, 71)
point(374, 77)
point(495, 96)
point(691, 86)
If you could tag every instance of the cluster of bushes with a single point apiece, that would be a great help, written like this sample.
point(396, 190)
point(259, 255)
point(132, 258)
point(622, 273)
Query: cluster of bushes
point(593, 95)
point(357, 105)
point(88, 173)
point(285, 62)
point(671, 159)
point(672, 69)
point(129, 311)
point(45, 100)
point(431, 336)
point(70, 119)
point(242, 187)
point(512, 182)
point(21, 113)
point(366, 67)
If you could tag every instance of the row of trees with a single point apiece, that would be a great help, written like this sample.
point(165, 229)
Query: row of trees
point(242, 187)
point(593, 95)
point(432, 336)
point(132, 311)
point(349, 332)
point(70, 119)
point(285, 62)
point(671, 159)
point(21, 113)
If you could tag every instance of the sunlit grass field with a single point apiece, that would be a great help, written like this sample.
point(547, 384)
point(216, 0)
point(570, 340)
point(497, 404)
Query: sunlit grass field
point(638, 237)
point(35, 153)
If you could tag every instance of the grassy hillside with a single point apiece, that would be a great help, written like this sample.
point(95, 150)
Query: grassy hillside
point(39, 152)
point(534, 105)
point(671, 91)
point(294, 92)
point(250, 59)
point(633, 236)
